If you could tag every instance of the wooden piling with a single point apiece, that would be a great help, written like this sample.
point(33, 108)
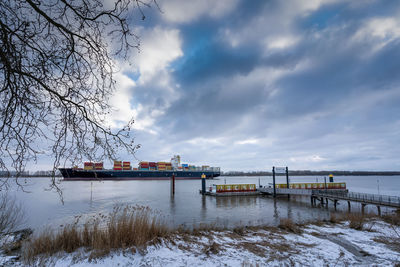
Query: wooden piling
point(173, 184)
point(273, 180)
point(363, 207)
point(203, 184)
point(287, 180)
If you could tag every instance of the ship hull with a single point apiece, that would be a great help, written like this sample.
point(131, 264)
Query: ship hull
point(70, 174)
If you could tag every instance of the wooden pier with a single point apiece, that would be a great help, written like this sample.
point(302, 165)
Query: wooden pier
point(335, 195)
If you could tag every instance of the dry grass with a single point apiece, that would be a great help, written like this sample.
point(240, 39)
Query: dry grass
point(125, 227)
point(391, 242)
point(240, 230)
point(356, 221)
point(392, 218)
point(213, 248)
point(255, 248)
point(137, 227)
point(335, 218)
point(289, 225)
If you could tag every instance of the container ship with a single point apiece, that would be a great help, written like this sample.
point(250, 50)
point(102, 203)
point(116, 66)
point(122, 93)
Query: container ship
point(122, 170)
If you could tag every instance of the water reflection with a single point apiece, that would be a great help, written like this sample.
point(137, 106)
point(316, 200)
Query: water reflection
point(172, 206)
point(236, 201)
point(276, 212)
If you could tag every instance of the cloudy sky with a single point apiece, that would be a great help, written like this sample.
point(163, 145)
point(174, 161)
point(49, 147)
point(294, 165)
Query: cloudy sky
point(246, 85)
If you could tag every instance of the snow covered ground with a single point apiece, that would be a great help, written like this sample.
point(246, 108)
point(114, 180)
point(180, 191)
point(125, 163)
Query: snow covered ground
point(315, 245)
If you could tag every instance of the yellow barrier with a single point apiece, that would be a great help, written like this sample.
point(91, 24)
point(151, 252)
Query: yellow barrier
point(235, 187)
point(313, 185)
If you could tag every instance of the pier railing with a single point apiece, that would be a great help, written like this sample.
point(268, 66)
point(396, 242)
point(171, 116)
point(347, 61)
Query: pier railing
point(392, 201)
point(379, 200)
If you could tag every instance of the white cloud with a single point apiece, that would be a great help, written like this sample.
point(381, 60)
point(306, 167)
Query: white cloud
point(276, 25)
point(282, 42)
point(204, 141)
point(307, 159)
point(120, 101)
point(381, 30)
point(247, 142)
point(159, 47)
point(185, 11)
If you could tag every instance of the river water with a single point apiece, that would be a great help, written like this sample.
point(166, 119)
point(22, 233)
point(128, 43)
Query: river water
point(187, 207)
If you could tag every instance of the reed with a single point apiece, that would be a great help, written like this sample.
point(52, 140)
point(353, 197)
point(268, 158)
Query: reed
point(125, 227)
point(356, 221)
point(289, 225)
point(392, 218)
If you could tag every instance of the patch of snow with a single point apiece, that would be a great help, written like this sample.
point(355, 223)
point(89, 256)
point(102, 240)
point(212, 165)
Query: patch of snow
point(332, 245)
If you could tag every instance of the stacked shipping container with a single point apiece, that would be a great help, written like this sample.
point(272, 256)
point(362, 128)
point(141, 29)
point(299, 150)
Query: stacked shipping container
point(152, 166)
point(161, 166)
point(168, 166)
point(126, 165)
point(88, 165)
point(98, 166)
point(144, 165)
point(117, 165)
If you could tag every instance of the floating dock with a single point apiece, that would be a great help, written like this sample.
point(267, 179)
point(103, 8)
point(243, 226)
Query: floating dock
point(228, 190)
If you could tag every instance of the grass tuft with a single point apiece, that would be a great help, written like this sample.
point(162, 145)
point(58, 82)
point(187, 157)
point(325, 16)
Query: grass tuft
point(356, 221)
point(213, 248)
point(392, 218)
point(289, 225)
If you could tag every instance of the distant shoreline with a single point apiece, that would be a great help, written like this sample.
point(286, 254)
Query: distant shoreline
point(316, 173)
point(265, 173)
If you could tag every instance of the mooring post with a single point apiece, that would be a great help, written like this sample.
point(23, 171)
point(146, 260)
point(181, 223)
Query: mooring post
point(335, 203)
point(273, 180)
point(348, 204)
point(362, 208)
point(287, 177)
point(287, 180)
point(173, 184)
point(203, 184)
point(379, 210)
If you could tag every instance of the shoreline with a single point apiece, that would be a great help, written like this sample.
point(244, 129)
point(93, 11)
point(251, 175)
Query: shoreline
point(334, 242)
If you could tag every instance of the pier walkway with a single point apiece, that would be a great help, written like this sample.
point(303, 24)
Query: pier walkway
point(335, 195)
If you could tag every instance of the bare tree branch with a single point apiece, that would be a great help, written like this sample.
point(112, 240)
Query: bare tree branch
point(56, 77)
